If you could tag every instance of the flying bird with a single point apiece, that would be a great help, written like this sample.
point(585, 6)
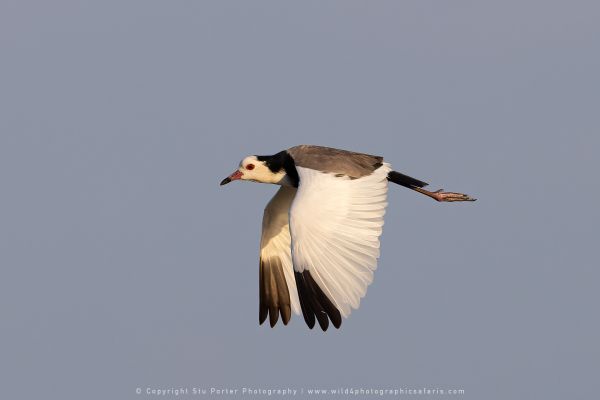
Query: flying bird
point(320, 231)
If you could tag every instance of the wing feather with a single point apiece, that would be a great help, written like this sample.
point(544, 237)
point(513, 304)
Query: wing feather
point(335, 225)
point(277, 287)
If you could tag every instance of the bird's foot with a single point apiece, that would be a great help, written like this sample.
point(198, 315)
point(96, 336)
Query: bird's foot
point(440, 195)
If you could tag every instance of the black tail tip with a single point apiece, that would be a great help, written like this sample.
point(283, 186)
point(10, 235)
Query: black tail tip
point(405, 180)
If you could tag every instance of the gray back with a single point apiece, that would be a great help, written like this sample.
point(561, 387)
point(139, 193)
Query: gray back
point(336, 161)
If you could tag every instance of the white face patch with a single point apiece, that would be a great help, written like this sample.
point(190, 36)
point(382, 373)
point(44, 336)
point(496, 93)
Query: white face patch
point(254, 170)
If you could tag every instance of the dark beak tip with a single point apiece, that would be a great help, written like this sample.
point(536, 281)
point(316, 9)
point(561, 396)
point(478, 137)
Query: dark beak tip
point(225, 181)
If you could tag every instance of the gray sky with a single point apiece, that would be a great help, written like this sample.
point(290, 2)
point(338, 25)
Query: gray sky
point(125, 265)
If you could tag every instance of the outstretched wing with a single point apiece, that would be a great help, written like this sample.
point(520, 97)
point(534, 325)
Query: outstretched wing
point(278, 293)
point(335, 224)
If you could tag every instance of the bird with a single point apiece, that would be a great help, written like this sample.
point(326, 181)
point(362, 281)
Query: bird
point(320, 232)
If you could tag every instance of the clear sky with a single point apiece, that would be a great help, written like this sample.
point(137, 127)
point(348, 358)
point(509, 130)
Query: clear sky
point(125, 265)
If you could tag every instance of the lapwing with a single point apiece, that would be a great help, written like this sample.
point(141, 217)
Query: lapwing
point(320, 231)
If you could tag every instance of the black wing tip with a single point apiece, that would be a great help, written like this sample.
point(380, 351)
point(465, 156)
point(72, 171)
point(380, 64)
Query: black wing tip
point(274, 298)
point(316, 306)
point(337, 322)
point(274, 317)
point(286, 313)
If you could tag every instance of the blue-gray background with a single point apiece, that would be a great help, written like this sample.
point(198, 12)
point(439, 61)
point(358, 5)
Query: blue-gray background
point(124, 264)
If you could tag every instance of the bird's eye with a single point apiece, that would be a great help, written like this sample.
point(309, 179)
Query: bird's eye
point(250, 167)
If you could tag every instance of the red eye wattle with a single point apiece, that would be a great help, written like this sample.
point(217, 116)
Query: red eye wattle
point(250, 167)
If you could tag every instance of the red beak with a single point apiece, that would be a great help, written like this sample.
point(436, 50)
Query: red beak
point(233, 177)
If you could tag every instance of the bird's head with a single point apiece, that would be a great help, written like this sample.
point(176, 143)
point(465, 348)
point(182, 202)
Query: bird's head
point(254, 169)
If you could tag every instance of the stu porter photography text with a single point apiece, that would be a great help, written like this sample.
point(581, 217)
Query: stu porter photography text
point(245, 391)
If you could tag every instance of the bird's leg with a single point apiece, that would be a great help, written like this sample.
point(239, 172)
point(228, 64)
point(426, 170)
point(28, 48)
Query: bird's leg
point(440, 195)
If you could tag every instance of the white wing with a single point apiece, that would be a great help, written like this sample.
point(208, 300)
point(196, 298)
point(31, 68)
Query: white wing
point(278, 293)
point(335, 224)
